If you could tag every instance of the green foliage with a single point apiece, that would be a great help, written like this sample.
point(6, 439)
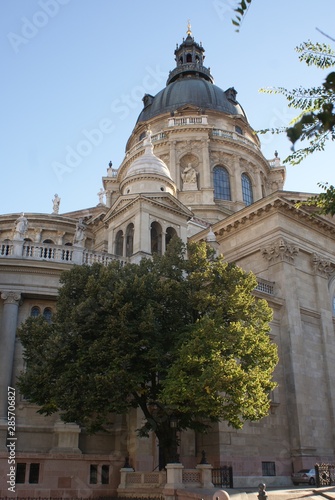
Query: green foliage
point(316, 120)
point(241, 11)
point(173, 336)
point(323, 202)
point(224, 366)
point(316, 54)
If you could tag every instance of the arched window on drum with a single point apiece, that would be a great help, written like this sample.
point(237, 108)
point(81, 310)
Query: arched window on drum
point(221, 183)
point(247, 193)
point(47, 313)
point(35, 312)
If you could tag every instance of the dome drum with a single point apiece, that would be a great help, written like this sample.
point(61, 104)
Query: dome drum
point(147, 183)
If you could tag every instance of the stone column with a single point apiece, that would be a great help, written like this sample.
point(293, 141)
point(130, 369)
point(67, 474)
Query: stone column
point(172, 164)
point(7, 345)
point(237, 188)
point(163, 241)
point(205, 181)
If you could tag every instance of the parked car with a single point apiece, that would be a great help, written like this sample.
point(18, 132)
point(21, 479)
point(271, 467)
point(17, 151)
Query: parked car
point(304, 476)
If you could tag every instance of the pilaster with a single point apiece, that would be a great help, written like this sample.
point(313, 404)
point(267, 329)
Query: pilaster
point(205, 182)
point(323, 269)
point(7, 345)
point(237, 180)
point(281, 256)
point(172, 164)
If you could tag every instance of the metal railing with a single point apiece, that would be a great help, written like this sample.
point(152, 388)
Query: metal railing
point(222, 477)
point(324, 474)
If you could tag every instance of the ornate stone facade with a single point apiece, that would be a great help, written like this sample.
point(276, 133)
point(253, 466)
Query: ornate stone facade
point(192, 167)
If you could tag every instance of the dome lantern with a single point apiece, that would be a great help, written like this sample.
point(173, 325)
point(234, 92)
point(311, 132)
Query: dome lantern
point(189, 56)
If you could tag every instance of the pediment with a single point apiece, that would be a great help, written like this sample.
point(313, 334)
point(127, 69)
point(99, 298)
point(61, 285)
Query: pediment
point(163, 200)
point(187, 108)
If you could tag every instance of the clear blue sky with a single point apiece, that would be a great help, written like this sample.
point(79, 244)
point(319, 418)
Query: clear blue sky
point(74, 66)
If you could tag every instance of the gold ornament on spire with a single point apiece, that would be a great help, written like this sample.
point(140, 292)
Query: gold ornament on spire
point(189, 32)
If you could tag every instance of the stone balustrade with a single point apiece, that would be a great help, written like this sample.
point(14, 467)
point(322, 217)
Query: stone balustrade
point(54, 253)
point(187, 120)
point(175, 476)
point(265, 286)
point(216, 132)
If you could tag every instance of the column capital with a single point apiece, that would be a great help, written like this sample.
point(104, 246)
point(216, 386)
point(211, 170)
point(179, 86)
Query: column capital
point(321, 266)
point(280, 250)
point(11, 297)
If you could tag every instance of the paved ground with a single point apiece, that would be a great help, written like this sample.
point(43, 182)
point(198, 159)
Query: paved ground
point(295, 493)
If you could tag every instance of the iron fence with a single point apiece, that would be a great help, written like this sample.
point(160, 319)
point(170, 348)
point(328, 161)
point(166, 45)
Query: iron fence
point(222, 477)
point(324, 474)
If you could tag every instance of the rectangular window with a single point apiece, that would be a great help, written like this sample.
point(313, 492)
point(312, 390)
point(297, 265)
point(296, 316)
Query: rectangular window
point(20, 473)
point(93, 474)
point(34, 472)
point(268, 468)
point(105, 474)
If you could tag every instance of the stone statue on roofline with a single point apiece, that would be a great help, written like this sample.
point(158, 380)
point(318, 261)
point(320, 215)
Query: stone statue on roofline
point(101, 195)
point(21, 227)
point(79, 236)
point(56, 203)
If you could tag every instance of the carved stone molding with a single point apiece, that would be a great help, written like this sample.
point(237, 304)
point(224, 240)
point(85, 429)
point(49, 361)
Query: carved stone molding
point(219, 157)
point(280, 250)
point(322, 266)
point(189, 147)
point(187, 159)
point(247, 166)
point(11, 297)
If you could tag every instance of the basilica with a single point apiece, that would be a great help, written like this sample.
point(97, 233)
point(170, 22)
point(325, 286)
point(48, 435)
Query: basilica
point(193, 167)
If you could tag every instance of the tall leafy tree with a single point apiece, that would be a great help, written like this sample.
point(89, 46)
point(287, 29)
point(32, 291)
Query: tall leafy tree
point(181, 339)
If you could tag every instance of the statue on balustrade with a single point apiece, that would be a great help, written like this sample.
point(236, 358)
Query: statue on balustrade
point(79, 236)
point(21, 227)
point(56, 203)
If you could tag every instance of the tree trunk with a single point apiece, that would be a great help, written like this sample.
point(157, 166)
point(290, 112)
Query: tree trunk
point(167, 445)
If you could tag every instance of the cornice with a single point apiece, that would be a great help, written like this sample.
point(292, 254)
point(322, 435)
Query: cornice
point(310, 312)
point(272, 203)
point(241, 218)
point(33, 267)
point(147, 176)
point(178, 129)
